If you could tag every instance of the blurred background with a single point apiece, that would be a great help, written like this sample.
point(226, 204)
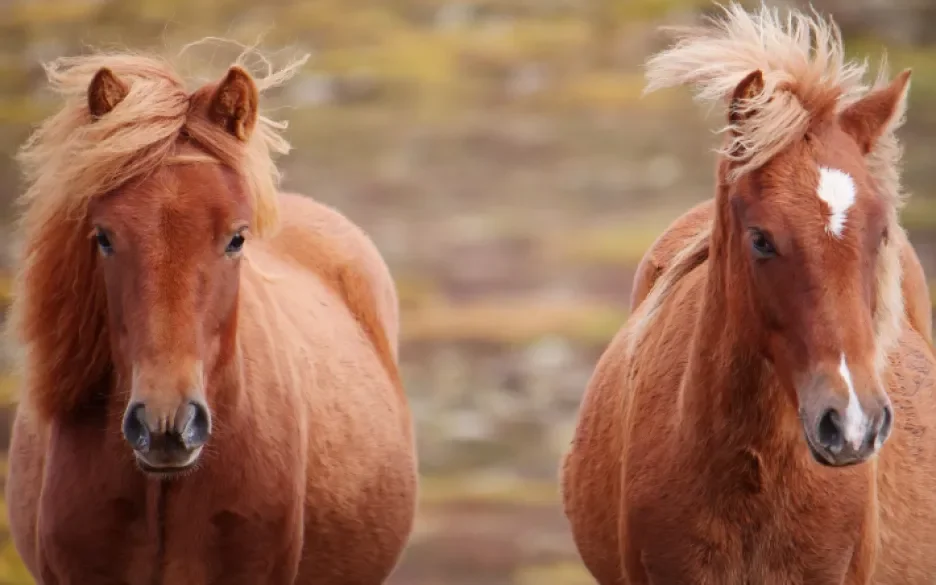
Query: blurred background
point(500, 154)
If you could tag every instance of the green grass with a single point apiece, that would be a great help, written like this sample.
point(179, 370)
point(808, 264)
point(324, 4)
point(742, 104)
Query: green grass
point(617, 243)
point(921, 59)
point(12, 570)
point(9, 389)
point(557, 573)
point(23, 14)
point(514, 321)
point(931, 285)
point(919, 214)
point(477, 488)
point(621, 245)
point(644, 10)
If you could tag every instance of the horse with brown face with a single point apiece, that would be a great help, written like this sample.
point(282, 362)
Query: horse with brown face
point(762, 417)
point(211, 392)
point(698, 220)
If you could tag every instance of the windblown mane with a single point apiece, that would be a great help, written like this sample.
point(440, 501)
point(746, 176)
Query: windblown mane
point(58, 313)
point(806, 76)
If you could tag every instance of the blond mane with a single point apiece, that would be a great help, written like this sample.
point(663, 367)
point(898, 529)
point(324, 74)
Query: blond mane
point(68, 160)
point(71, 159)
point(805, 76)
point(803, 65)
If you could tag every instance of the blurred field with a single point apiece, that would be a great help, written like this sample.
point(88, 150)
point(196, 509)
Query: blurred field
point(502, 157)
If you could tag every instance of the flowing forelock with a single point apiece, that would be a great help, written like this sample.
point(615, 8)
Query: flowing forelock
point(805, 75)
point(802, 61)
point(71, 159)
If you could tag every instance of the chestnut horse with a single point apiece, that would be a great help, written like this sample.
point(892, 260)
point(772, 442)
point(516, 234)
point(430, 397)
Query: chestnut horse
point(211, 392)
point(763, 415)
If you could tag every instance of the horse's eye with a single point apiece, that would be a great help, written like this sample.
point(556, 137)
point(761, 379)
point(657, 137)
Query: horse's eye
point(761, 245)
point(103, 242)
point(235, 245)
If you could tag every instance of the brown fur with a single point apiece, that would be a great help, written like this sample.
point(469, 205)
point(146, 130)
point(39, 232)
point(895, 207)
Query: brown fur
point(309, 476)
point(689, 462)
point(698, 220)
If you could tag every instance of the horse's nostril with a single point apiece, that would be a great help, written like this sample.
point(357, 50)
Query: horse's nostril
point(134, 428)
point(196, 426)
point(829, 431)
point(884, 429)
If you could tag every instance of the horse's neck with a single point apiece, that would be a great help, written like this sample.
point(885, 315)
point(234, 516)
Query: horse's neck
point(729, 396)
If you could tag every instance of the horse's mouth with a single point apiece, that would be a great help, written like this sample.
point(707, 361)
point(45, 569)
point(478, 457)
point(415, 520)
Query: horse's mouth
point(819, 456)
point(823, 458)
point(168, 469)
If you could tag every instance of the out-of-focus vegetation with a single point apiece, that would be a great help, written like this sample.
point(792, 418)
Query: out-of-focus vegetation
point(502, 157)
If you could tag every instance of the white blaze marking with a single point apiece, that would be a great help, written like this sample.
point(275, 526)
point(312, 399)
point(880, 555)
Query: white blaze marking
point(837, 189)
point(855, 422)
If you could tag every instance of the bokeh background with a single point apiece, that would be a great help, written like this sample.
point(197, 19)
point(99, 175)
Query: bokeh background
point(500, 154)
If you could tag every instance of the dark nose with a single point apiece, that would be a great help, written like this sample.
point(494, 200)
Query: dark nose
point(831, 435)
point(191, 429)
point(883, 426)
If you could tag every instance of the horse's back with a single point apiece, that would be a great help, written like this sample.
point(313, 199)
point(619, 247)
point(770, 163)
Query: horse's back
point(917, 301)
point(658, 257)
point(326, 242)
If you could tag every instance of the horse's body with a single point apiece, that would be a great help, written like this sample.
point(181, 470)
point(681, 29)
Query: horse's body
point(330, 489)
point(689, 463)
point(310, 473)
point(756, 534)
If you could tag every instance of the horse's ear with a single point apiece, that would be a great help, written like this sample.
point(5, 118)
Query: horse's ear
point(105, 91)
point(234, 103)
point(739, 109)
point(871, 116)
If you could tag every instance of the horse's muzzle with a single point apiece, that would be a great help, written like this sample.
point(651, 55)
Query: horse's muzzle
point(827, 440)
point(167, 444)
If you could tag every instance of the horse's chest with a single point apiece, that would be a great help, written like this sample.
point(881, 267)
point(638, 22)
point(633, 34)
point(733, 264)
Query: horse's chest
point(123, 528)
point(704, 546)
point(740, 530)
point(93, 522)
point(117, 541)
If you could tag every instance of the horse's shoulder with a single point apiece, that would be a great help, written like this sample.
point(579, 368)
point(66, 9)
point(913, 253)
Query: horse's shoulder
point(912, 366)
point(326, 242)
point(667, 245)
point(915, 290)
point(336, 238)
point(660, 343)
